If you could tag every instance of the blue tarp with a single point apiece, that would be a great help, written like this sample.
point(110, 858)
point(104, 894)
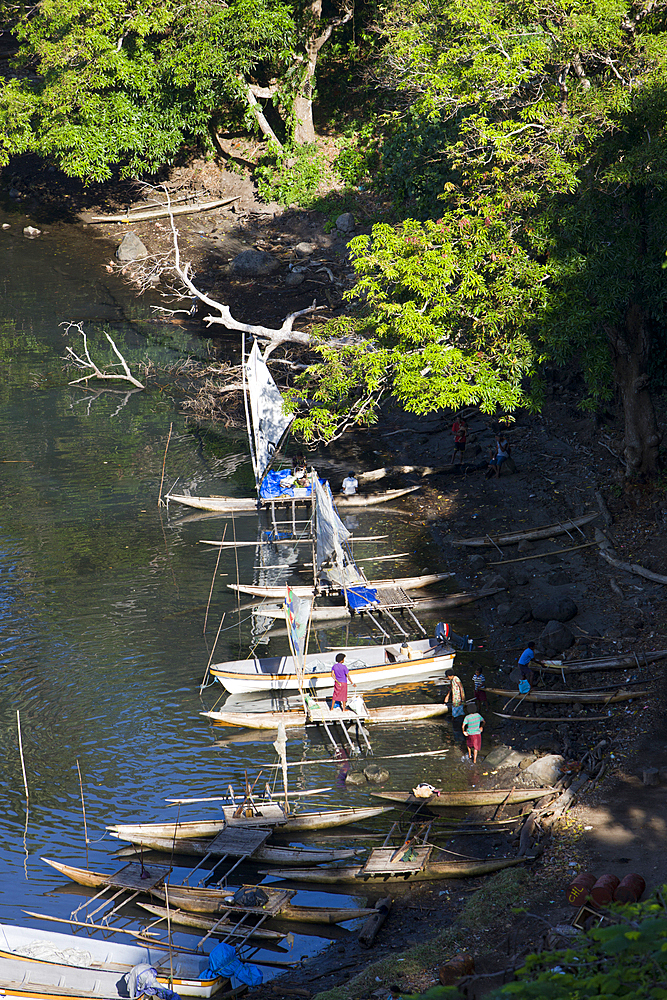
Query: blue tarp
point(223, 961)
point(360, 598)
point(270, 487)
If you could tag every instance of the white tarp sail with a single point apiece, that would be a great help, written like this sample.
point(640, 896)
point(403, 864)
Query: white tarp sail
point(334, 561)
point(269, 421)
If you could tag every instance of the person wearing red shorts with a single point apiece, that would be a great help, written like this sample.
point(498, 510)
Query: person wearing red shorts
point(473, 724)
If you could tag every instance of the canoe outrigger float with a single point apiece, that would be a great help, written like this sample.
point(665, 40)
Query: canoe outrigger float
point(466, 798)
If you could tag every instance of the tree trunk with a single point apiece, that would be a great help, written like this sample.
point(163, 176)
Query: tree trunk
point(304, 130)
point(630, 350)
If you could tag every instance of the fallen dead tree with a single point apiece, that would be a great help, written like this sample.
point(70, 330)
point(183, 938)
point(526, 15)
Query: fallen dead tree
point(608, 553)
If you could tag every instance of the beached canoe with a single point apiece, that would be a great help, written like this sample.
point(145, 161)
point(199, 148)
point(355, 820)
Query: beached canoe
point(431, 871)
point(249, 505)
point(555, 719)
point(263, 815)
point(619, 662)
point(296, 718)
point(305, 590)
point(335, 613)
point(265, 853)
point(467, 797)
point(526, 534)
point(609, 697)
point(220, 902)
point(182, 971)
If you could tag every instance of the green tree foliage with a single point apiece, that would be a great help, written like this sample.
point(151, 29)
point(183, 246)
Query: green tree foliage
point(99, 83)
point(625, 960)
point(549, 120)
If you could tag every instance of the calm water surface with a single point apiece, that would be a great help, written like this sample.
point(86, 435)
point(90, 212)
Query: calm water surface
point(103, 594)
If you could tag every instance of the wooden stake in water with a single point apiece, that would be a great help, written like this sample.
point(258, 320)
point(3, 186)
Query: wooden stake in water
point(27, 795)
point(25, 780)
point(160, 501)
point(83, 810)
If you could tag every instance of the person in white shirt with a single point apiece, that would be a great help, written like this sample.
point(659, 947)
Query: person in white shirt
point(350, 484)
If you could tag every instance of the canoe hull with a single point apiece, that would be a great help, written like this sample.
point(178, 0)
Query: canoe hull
point(570, 697)
point(302, 590)
point(294, 719)
point(272, 855)
point(233, 505)
point(370, 667)
point(604, 662)
point(466, 799)
point(433, 871)
point(110, 956)
point(530, 534)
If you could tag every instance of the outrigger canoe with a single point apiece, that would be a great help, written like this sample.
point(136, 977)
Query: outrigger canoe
point(609, 697)
point(214, 902)
point(432, 870)
point(263, 815)
point(183, 972)
point(296, 718)
point(248, 505)
point(370, 666)
point(301, 914)
point(619, 662)
point(467, 798)
point(526, 534)
point(306, 590)
point(267, 852)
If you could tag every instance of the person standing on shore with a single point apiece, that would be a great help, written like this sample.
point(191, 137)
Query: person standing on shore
point(473, 724)
point(525, 661)
point(479, 681)
point(460, 432)
point(458, 696)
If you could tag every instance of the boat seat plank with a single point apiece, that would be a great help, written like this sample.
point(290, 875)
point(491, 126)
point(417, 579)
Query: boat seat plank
point(238, 842)
point(392, 860)
point(137, 876)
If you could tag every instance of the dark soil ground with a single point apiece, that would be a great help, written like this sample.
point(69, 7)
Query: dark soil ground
point(562, 458)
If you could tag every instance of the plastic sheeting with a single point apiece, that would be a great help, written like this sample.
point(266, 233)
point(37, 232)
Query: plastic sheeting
point(142, 980)
point(223, 961)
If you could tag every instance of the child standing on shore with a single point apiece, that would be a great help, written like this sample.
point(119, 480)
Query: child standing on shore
point(473, 724)
point(479, 681)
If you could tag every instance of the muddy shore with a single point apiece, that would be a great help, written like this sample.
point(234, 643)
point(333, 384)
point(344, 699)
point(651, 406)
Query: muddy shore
point(562, 458)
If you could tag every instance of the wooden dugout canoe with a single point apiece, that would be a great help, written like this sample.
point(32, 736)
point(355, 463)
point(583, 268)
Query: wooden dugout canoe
point(273, 855)
point(342, 611)
point(211, 902)
point(433, 870)
point(553, 718)
point(305, 590)
point(299, 914)
point(321, 819)
point(295, 718)
point(571, 697)
point(603, 662)
point(248, 505)
point(526, 534)
point(97, 880)
point(466, 798)
point(196, 899)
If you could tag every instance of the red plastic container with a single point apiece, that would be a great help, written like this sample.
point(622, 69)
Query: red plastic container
point(579, 889)
point(630, 889)
point(604, 889)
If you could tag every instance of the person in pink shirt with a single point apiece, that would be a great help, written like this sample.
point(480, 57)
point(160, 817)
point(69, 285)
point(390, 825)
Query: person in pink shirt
point(341, 675)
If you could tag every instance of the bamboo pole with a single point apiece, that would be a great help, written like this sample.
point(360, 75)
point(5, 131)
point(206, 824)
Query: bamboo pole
point(164, 463)
point(83, 810)
point(541, 555)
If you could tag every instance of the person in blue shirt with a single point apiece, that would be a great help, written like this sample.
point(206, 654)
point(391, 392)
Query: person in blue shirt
point(525, 660)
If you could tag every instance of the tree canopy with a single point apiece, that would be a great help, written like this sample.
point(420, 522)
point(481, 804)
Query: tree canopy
point(105, 83)
point(536, 132)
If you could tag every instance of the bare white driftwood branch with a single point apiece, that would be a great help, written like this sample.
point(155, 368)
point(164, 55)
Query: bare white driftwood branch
point(87, 361)
point(270, 335)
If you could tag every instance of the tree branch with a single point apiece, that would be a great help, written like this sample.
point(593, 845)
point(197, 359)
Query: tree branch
point(87, 361)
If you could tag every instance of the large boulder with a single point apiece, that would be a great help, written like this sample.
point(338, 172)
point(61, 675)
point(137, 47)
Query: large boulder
point(514, 612)
point(555, 638)
point(558, 609)
point(253, 264)
point(503, 756)
point(131, 248)
point(546, 769)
